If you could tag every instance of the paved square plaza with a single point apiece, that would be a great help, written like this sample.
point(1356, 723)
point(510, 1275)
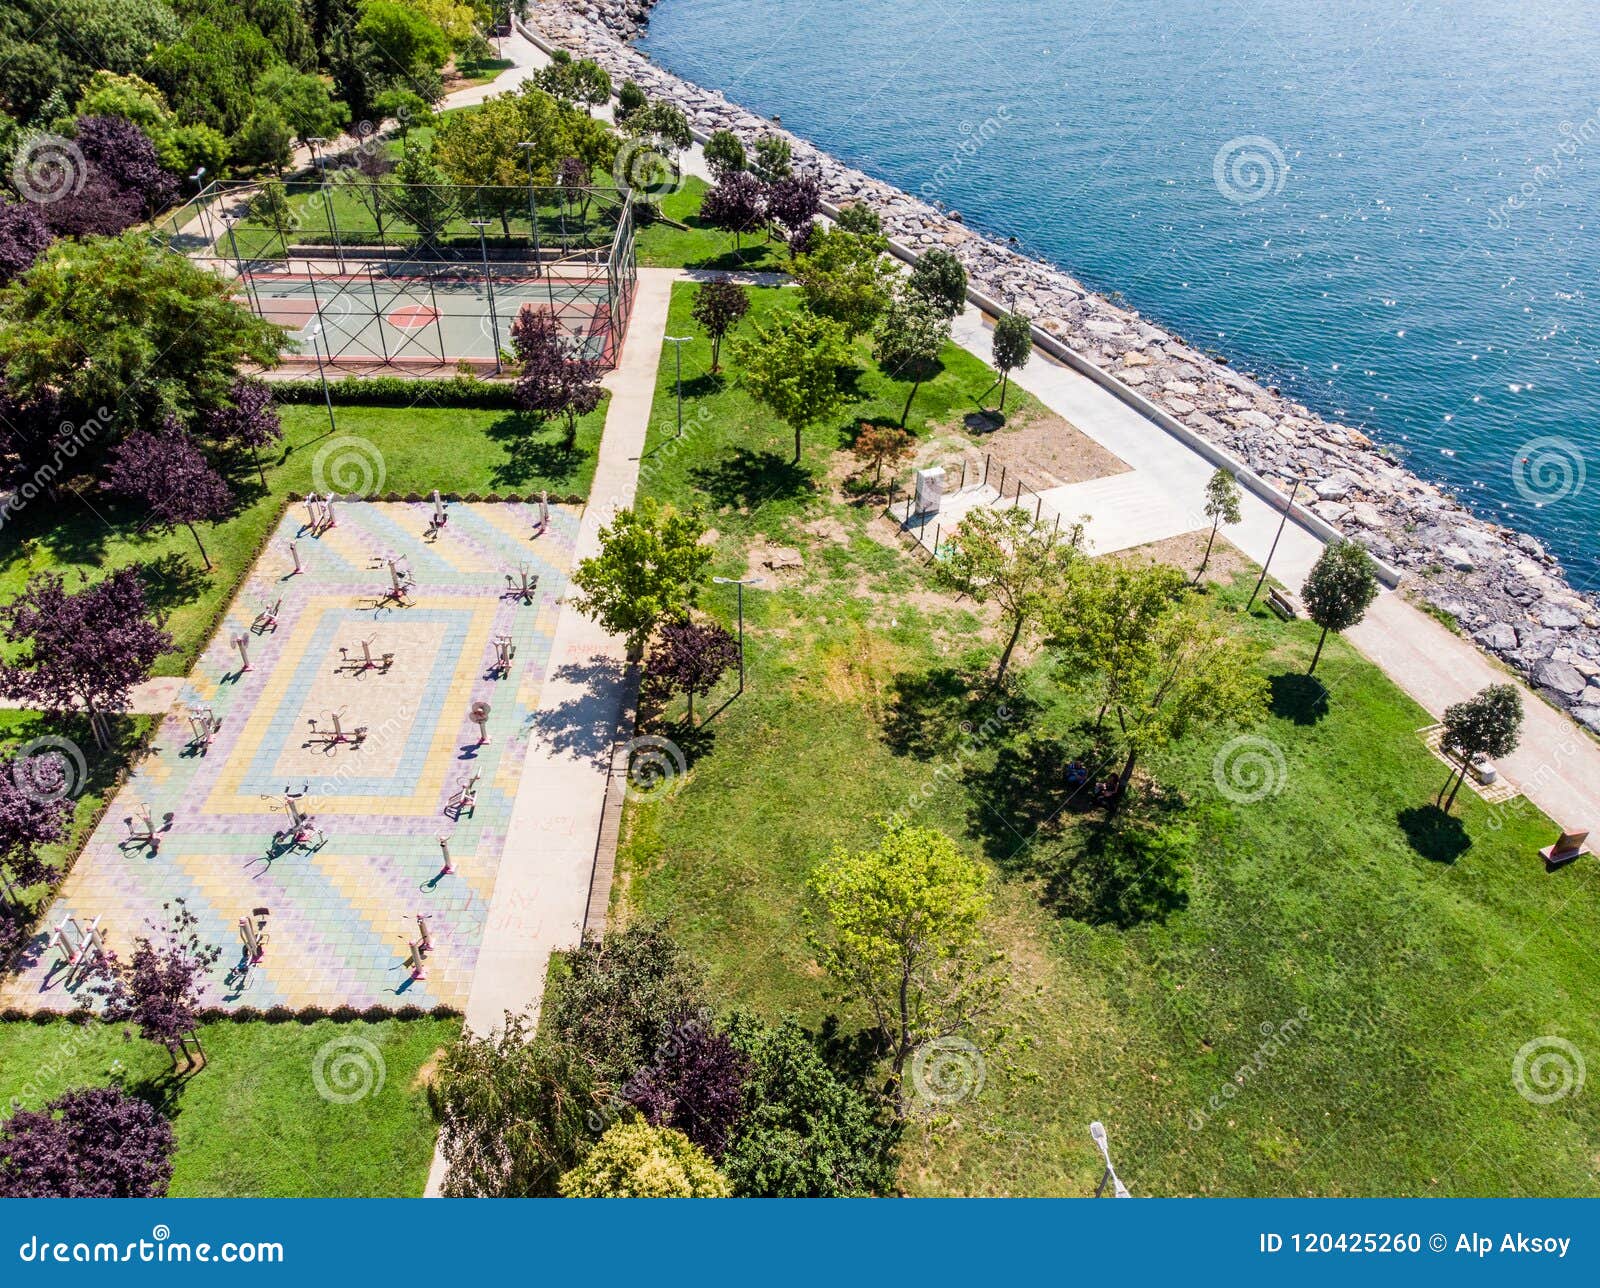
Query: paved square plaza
point(343, 906)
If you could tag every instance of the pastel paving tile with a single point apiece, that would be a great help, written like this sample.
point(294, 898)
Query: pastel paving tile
point(341, 916)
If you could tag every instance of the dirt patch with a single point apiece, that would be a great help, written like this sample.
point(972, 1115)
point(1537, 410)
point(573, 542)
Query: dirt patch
point(1048, 452)
point(1186, 551)
point(827, 529)
point(774, 563)
point(424, 1076)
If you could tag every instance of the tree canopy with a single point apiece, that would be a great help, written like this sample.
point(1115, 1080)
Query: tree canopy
point(91, 1143)
point(843, 275)
point(649, 570)
point(638, 1161)
point(1338, 589)
point(1487, 724)
point(792, 368)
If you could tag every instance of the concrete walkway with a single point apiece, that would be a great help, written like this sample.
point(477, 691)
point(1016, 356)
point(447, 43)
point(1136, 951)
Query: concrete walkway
point(542, 892)
point(1557, 766)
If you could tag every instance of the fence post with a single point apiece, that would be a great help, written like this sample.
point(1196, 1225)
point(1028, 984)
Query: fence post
point(1038, 509)
point(986, 469)
point(1002, 480)
point(963, 474)
point(936, 530)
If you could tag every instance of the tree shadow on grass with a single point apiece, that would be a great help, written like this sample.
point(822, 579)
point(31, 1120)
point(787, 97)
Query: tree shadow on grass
point(173, 581)
point(1297, 697)
point(949, 709)
point(748, 479)
point(529, 456)
point(1121, 873)
point(852, 1054)
point(1025, 799)
point(1435, 835)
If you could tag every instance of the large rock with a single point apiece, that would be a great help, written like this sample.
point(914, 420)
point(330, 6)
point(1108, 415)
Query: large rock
point(1497, 636)
point(1560, 678)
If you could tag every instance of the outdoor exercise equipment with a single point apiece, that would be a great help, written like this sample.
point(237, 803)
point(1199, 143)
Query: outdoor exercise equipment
point(253, 935)
point(205, 722)
point(142, 828)
point(267, 618)
point(444, 849)
point(504, 650)
point(294, 553)
point(401, 582)
point(76, 942)
point(368, 661)
point(335, 733)
point(465, 797)
point(417, 960)
point(242, 643)
point(544, 514)
point(478, 713)
point(523, 586)
point(425, 939)
point(302, 831)
point(440, 518)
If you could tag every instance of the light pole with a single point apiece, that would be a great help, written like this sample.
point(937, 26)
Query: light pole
point(677, 342)
point(533, 210)
point(734, 581)
point(494, 318)
point(199, 196)
point(1284, 519)
point(1118, 1190)
point(312, 332)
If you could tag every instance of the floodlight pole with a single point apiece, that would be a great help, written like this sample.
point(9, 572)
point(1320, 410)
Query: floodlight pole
point(199, 196)
point(677, 343)
point(494, 318)
point(734, 581)
point(327, 201)
point(314, 330)
point(1282, 521)
point(1119, 1190)
point(533, 212)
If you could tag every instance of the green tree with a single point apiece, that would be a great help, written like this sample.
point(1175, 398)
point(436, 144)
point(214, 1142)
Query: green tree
point(664, 125)
point(900, 929)
point(844, 276)
point(792, 368)
point(593, 84)
point(127, 325)
point(406, 109)
point(638, 1161)
point(304, 102)
point(1489, 724)
point(724, 153)
point(1222, 506)
point(860, 219)
point(911, 334)
point(265, 139)
point(649, 569)
point(1005, 556)
point(513, 1112)
point(718, 306)
point(422, 194)
point(401, 45)
point(1104, 616)
point(805, 1131)
point(1013, 346)
point(774, 157)
point(630, 99)
point(1338, 589)
point(271, 206)
point(938, 276)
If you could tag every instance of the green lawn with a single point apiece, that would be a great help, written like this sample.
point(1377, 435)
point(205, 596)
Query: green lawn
point(420, 448)
point(660, 245)
point(253, 1122)
point(1424, 954)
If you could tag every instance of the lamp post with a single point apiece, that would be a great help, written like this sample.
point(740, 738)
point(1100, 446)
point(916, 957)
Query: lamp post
point(311, 333)
point(494, 318)
point(1118, 1190)
point(677, 343)
point(1283, 519)
point(199, 192)
point(533, 210)
point(734, 581)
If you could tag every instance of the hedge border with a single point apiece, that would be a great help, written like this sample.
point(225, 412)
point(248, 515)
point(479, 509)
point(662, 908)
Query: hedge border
point(256, 1015)
point(469, 394)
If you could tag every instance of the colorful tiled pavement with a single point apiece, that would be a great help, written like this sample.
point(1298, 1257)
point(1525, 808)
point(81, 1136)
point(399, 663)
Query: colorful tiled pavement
point(341, 915)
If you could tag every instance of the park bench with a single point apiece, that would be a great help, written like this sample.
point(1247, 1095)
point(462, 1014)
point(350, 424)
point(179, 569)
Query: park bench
point(1283, 603)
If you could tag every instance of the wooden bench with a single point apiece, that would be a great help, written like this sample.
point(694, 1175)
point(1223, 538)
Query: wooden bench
point(1283, 604)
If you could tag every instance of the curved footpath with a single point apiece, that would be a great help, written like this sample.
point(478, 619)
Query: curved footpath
point(1556, 633)
point(1501, 585)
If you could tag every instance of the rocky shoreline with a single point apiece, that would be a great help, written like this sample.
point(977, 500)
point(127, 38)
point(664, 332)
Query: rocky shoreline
point(1502, 586)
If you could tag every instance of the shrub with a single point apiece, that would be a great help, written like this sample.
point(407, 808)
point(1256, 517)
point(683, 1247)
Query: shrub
point(395, 391)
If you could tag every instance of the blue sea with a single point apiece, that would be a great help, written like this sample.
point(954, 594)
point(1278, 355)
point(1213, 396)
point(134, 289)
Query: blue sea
point(1389, 210)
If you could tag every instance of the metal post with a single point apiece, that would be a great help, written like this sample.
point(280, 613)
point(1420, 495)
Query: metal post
point(533, 213)
point(438, 325)
point(1002, 481)
point(1289, 505)
point(986, 469)
point(1038, 509)
point(377, 312)
point(741, 637)
point(494, 318)
point(677, 342)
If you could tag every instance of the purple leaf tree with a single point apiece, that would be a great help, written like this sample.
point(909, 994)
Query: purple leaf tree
point(79, 651)
point(170, 476)
point(158, 990)
point(92, 1143)
point(23, 235)
point(249, 419)
point(120, 154)
point(694, 1083)
point(690, 658)
point(99, 209)
point(793, 202)
point(34, 812)
point(554, 380)
point(39, 447)
point(736, 205)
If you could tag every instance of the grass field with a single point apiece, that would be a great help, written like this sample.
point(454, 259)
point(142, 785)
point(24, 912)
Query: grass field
point(660, 245)
point(406, 449)
point(1333, 1005)
point(254, 1122)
